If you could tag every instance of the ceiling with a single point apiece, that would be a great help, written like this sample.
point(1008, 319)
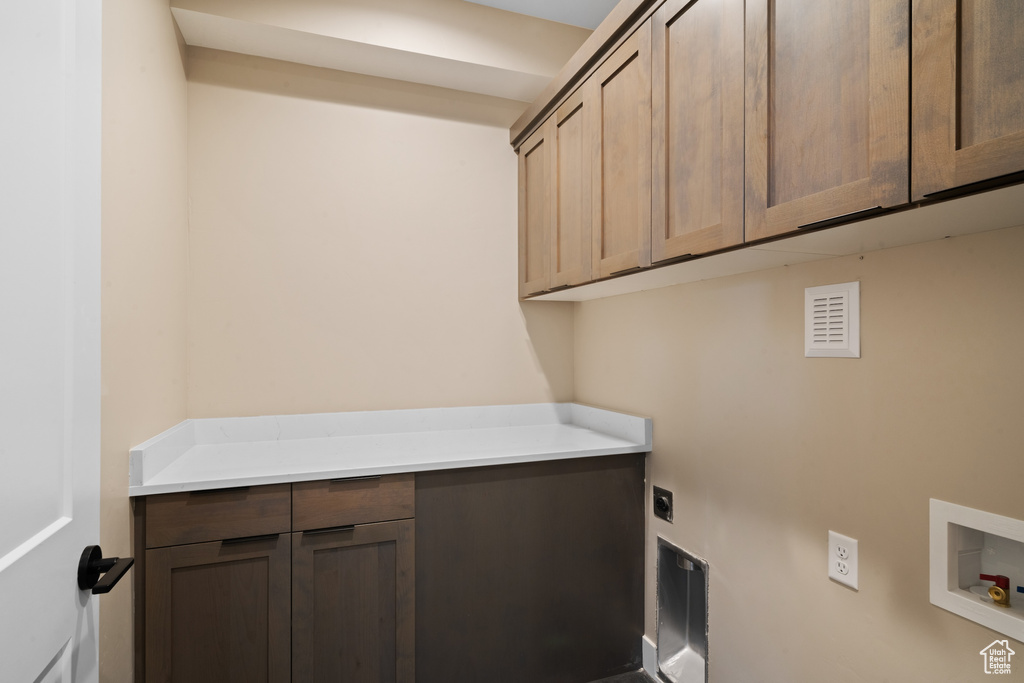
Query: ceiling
point(469, 46)
point(583, 13)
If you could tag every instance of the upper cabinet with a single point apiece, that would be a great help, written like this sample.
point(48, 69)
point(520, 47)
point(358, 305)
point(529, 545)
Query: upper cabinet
point(697, 75)
point(827, 126)
point(571, 192)
point(585, 178)
point(620, 94)
point(968, 93)
point(695, 126)
point(535, 209)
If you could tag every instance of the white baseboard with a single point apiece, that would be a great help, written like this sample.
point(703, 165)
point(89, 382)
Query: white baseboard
point(650, 651)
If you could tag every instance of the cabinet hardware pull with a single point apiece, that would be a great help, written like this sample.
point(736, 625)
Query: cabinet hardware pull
point(204, 492)
point(559, 288)
point(841, 218)
point(342, 480)
point(633, 269)
point(329, 530)
point(975, 187)
point(249, 539)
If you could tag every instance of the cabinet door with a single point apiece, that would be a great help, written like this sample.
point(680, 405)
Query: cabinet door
point(968, 92)
point(827, 111)
point(570, 234)
point(219, 612)
point(353, 603)
point(530, 573)
point(697, 74)
point(535, 202)
point(621, 92)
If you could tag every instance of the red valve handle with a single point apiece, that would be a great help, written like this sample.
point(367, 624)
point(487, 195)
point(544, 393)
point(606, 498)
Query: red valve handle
point(1001, 581)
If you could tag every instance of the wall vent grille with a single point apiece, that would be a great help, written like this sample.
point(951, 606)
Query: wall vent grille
point(832, 321)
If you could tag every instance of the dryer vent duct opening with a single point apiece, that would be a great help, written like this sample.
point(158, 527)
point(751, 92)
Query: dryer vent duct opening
point(682, 615)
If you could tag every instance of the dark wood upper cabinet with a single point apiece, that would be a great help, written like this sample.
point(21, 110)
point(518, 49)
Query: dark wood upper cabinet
point(571, 174)
point(535, 210)
point(968, 93)
point(352, 604)
point(620, 90)
point(711, 123)
point(827, 102)
point(697, 99)
point(219, 612)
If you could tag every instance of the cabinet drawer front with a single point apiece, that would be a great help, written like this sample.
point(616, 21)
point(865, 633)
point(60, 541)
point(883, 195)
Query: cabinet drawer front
point(197, 516)
point(324, 504)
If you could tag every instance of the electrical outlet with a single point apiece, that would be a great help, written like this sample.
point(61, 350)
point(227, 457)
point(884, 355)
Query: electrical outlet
point(663, 503)
point(842, 559)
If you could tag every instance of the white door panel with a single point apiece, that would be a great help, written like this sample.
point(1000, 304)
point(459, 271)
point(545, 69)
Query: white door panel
point(49, 336)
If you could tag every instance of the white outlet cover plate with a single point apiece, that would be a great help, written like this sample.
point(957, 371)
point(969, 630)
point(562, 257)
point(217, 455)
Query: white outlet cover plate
point(836, 542)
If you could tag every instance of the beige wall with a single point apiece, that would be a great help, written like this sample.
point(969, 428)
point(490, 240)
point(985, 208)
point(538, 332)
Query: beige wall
point(284, 239)
point(352, 246)
point(144, 266)
point(766, 450)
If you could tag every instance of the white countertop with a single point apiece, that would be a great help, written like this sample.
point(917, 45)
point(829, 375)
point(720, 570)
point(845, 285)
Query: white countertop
point(226, 452)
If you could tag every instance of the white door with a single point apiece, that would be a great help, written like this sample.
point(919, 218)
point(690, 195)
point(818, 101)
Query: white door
point(49, 336)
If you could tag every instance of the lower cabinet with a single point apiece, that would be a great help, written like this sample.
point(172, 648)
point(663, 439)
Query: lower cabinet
point(531, 572)
point(332, 600)
point(352, 604)
point(219, 612)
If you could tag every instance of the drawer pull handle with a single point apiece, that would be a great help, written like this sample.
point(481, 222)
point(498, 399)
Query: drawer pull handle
point(342, 480)
point(230, 489)
point(329, 530)
point(250, 539)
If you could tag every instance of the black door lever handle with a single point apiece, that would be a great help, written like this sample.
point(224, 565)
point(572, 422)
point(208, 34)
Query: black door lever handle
point(93, 564)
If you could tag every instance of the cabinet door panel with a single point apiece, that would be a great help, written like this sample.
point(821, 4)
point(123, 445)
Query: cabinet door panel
point(535, 202)
point(827, 102)
point(968, 92)
point(530, 573)
point(697, 103)
point(219, 612)
point(571, 239)
point(621, 92)
point(353, 603)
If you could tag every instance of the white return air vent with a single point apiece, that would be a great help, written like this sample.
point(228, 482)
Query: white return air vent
point(832, 321)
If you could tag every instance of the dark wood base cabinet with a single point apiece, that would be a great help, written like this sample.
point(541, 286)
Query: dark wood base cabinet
point(219, 612)
point(305, 582)
point(528, 573)
point(352, 604)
